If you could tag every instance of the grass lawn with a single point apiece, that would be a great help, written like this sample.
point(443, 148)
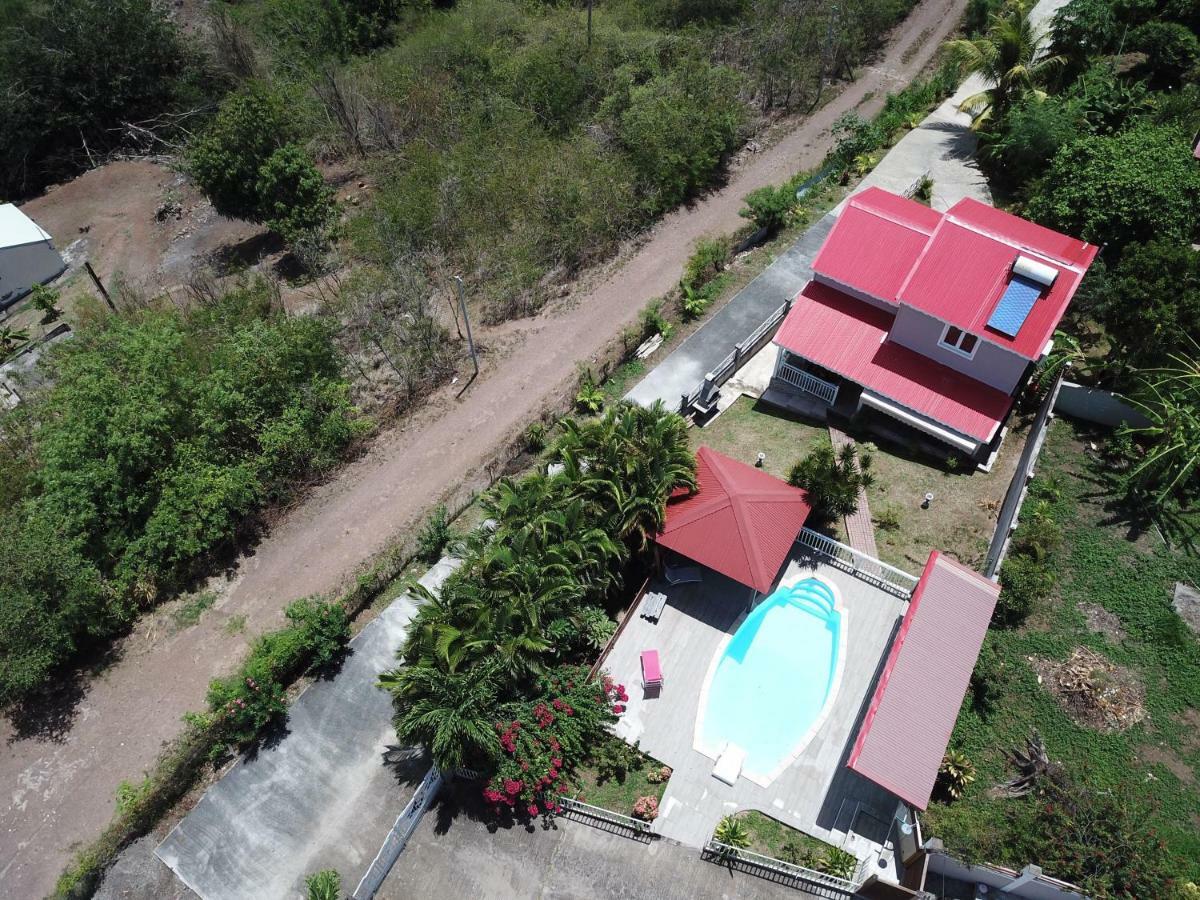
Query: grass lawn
point(962, 516)
point(772, 838)
point(620, 793)
point(1113, 597)
point(748, 427)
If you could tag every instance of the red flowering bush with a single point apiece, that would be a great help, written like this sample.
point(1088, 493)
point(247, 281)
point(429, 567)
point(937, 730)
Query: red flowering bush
point(542, 738)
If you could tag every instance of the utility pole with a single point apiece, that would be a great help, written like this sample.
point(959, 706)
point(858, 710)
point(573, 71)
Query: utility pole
point(462, 303)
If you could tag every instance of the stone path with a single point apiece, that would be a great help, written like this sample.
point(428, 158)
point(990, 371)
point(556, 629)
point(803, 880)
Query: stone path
point(860, 531)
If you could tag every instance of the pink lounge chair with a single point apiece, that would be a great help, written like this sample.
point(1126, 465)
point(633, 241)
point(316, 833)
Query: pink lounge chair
point(651, 669)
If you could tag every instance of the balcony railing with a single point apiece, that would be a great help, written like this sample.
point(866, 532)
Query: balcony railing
point(726, 855)
point(889, 578)
point(824, 391)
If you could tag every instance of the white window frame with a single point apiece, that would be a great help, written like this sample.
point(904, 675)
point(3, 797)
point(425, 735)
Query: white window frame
point(956, 347)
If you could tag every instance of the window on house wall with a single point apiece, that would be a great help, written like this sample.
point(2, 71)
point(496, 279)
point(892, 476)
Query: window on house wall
point(959, 341)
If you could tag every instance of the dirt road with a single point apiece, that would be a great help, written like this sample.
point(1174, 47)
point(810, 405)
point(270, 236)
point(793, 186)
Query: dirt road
point(62, 781)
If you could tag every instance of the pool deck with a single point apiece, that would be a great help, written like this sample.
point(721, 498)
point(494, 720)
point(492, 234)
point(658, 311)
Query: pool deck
point(816, 793)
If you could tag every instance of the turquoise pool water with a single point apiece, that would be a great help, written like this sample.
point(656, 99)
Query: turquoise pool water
point(771, 683)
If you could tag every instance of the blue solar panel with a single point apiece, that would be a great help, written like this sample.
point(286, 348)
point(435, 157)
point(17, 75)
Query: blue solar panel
point(1014, 306)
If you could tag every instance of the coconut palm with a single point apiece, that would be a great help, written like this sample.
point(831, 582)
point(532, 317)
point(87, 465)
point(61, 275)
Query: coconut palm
point(1011, 57)
point(451, 713)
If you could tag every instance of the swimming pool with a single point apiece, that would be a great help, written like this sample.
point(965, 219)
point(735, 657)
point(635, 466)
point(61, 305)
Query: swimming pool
point(770, 687)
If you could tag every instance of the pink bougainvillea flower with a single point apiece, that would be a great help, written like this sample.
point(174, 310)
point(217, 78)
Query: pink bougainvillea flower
point(533, 809)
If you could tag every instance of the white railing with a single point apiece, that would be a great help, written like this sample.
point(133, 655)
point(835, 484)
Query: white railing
point(868, 568)
point(725, 854)
point(742, 351)
point(637, 826)
point(824, 391)
point(396, 840)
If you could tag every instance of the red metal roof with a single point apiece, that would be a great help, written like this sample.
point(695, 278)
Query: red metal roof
point(849, 337)
point(965, 269)
point(876, 242)
point(953, 266)
point(907, 727)
point(741, 522)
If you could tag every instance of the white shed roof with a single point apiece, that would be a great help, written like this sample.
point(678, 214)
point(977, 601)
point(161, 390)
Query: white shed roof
point(16, 228)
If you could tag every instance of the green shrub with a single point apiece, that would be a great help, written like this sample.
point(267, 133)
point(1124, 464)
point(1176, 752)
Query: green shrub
point(770, 208)
point(613, 759)
point(324, 885)
point(838, 862)
point(707, 260)
point(678, 128)
point(1024, 582)
point(654, 322)
point(434, 536)
point(732, 832)
point(535, 437)
point(590, 396)
point(293, 199)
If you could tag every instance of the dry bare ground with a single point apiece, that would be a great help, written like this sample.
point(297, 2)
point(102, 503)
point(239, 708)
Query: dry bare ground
point(62, 775)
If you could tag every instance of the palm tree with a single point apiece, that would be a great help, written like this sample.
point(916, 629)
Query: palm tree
point(1170, 400)
point(450, 713)
point(11, 338)
point(1011, 57)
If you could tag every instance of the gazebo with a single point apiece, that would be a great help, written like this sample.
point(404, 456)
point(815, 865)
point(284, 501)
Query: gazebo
point(741, 521)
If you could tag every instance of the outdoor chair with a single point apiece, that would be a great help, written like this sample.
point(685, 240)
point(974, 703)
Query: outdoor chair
point(682, 574)
point(729, 764)
point(652, 676)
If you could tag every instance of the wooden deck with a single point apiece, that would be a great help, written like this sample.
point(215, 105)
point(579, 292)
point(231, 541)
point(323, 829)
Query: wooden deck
point(816, 794)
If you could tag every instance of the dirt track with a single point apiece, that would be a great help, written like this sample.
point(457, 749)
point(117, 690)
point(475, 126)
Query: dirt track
point(62, 781)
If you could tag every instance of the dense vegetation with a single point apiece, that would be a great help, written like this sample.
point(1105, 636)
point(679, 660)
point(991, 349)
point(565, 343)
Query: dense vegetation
point(488, 659)
point(1090, 131)
point(162, 436)
point(1114, 812)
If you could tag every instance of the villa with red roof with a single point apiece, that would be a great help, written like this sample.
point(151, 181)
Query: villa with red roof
point(933, 320)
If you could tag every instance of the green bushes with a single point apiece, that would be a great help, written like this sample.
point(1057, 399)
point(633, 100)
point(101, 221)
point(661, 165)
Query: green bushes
point(677, 129)
point(770, 208)
point(702, 281)
point(247, 164)
point(434, 536)
point(72, 72)
point(162, 436)
point(242, 705)
point(1136, 186)
point(1026, 578)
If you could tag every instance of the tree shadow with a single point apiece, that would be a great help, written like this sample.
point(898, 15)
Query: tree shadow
point(243, 254)
point(49, 712)
point(408, 764)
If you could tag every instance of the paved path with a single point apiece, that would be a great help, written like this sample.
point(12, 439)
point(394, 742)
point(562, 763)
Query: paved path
point(703, 351)
point(61, 785)
point(860, 530)
point(321, 798)
point(461, 857)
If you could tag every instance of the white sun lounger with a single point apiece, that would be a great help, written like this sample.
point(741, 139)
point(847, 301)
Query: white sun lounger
point(729, 764)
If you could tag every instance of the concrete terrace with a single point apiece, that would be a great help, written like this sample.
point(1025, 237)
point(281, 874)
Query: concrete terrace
point(815, 794)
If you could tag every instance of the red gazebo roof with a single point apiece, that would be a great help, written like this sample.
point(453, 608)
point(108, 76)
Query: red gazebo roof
point(741, 522)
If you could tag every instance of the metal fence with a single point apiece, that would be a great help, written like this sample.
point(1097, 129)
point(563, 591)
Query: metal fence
point(397, 839)
point(627, 825)
point(715, 851)
point(868, 568)
point(1015, 496)
point(742, 351)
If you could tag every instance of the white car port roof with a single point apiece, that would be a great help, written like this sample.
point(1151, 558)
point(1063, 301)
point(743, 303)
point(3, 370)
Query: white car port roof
point(16, 228)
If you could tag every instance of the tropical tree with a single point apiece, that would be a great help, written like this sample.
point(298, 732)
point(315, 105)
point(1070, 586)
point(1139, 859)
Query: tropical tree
point(832, 480)
point(1011, 57)
point(451, 713)
point(732, 832)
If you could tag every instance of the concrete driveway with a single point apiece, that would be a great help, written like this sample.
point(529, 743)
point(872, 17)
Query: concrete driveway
point(321, 797)
point(454, 854)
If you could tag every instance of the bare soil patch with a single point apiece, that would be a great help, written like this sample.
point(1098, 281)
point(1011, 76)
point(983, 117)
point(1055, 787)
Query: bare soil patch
point(1094, 692)
point(1152, 754)
point(1100, 621)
